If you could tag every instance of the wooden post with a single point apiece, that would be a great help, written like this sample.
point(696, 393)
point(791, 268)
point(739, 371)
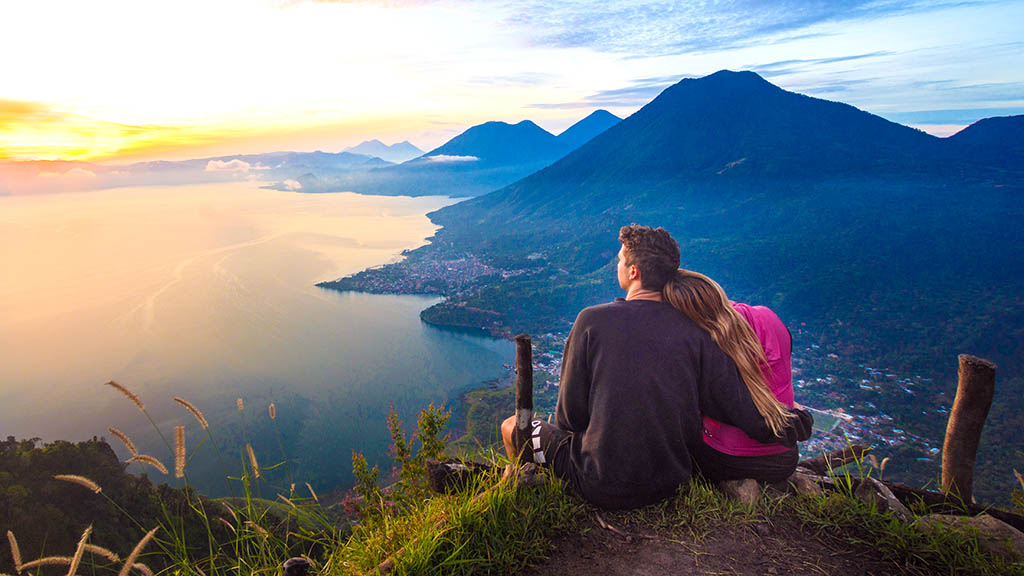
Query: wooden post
point(974, 392)
point(524, 396)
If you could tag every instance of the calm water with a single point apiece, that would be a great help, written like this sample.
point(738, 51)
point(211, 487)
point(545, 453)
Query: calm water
point(207, 292)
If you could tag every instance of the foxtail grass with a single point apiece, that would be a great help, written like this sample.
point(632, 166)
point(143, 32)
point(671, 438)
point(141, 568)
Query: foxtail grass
point(129, 563)
point(80, 480)
point(147, 459)
point(196, 413)
point(252, 460)
point(128, 394)
point(79, 551)
point(124, 440)
point(179, 451)
point(15, 551)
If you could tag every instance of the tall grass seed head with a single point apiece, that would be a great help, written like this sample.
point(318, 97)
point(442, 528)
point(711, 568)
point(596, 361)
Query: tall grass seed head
point(128, 394)
point(196, 412)
point(80, 480)
point(179, 451)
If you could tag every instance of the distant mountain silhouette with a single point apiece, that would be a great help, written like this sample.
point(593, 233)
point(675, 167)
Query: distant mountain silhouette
point(397, 153)
point(583, 131)
point(726, 130)
point(481, 159)
point(495, 143)
point(1001, 136)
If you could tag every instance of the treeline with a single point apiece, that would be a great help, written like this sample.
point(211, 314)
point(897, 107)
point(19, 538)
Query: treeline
point(48, 515)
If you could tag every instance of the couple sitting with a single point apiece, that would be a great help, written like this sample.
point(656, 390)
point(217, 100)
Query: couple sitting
point(671, 377)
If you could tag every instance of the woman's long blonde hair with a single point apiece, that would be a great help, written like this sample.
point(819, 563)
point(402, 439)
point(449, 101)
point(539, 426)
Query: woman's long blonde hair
point(705, 303)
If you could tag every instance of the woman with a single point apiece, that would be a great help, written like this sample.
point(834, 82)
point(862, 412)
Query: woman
point(761, 346)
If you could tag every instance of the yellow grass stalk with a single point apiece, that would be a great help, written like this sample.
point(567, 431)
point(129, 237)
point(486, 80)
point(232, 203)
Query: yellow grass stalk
point(241, 405)
point(1019, 478)
point(80, 480)
point(195, 412)
point(127, 394)
point(317, 500)
point(272, 410)
point(48, 561)
point(130, 562)
point(179, 451)
point(257, 528)
point(147, 459)
point(15, 551)
point(252, 460)
point(79, 551)
point(228, 524)
point(124, 440)
point(230, 511)
point(287, 501)
point(101, 551)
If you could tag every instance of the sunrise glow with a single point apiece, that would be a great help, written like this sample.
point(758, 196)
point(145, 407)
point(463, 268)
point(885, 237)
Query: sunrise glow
point(126, 80)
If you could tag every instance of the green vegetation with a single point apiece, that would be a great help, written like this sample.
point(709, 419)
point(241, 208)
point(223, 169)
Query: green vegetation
point(492, 526)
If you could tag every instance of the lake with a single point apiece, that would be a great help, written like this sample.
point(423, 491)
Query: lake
point(208, 292)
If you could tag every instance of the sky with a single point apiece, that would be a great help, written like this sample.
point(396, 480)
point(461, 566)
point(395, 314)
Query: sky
point(123, 81)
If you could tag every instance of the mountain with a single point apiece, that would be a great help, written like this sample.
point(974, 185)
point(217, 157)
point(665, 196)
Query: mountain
point(583, 131)
point(396, 153)
point(876, 242)
point(481, 159)
point(501, 143)
point(1003, 135)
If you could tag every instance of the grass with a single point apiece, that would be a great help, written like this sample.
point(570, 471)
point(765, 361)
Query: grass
point(493, 527)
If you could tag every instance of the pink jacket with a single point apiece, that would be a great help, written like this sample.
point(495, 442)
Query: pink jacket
point(775, 340)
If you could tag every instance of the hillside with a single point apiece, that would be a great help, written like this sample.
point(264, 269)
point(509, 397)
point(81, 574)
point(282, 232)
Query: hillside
point(585, 130)
point(877, 243)
point(483, 158)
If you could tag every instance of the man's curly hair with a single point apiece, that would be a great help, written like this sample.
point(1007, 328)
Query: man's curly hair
point(653, 251)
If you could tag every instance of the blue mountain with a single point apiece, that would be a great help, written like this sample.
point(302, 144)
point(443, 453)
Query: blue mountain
point(397, 153)
point(481, 159)
point(583, 131)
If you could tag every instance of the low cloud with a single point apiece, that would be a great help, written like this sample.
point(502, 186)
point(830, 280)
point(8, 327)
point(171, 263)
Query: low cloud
point(233, 165)
point(450, 158)
point(74, 173)
point(293, 185)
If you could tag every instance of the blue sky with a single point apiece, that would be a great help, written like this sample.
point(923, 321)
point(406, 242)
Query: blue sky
point(104, 82)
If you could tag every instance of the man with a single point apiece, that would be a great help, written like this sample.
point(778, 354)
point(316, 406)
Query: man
point(636, 376)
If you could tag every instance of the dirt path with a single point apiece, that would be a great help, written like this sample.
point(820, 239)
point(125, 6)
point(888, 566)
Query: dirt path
point(781, 547)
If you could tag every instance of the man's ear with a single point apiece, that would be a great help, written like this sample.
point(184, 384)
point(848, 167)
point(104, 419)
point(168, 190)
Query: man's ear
point(634, 272)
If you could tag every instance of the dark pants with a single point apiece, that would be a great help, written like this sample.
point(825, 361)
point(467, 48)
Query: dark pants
point(717, 466)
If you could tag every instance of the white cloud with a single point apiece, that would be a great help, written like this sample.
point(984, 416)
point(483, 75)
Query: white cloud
point(73, 173)
point(293, 185)
point(233, 165)
point(79, 173)
point(449, 158)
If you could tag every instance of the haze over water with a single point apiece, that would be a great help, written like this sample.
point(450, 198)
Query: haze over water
point(208, 292)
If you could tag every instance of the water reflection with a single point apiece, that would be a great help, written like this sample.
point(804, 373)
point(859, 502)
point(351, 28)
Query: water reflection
point(208, 293)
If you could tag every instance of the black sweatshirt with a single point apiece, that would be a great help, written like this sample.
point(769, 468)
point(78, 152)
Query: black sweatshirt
point(636, 377)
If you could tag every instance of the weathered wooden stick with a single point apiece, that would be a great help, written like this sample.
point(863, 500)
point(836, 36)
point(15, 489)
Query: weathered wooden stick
point(977, 379)
point(826, 462)
point(524, 396)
